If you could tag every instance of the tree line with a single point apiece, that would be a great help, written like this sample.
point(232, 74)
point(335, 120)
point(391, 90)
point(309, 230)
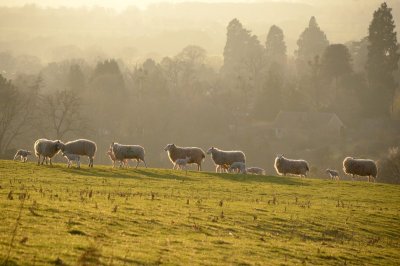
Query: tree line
point(185, 96)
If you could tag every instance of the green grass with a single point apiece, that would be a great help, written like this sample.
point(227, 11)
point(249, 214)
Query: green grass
point(104, 216)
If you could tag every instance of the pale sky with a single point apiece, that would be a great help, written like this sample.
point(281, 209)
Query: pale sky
point(118, 4)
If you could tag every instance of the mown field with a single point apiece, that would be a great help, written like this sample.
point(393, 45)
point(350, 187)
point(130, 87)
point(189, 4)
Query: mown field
point(104, 216)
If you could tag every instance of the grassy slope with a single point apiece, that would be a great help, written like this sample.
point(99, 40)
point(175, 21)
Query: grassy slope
point(152, 216)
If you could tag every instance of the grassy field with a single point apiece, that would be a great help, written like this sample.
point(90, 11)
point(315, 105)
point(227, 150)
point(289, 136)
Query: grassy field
point(103, 216)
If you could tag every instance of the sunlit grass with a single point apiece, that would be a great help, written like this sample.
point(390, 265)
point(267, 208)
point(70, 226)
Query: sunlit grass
point(152, 216)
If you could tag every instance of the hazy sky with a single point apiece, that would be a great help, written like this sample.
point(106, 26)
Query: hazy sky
point(117, 4)
point(121, 4)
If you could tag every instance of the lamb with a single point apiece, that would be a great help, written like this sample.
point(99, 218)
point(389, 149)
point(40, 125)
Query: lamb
point(255, 170)
point(113, 159)
point(180, 163)
point(240, 167)
point(333, 174)
point(82, 147)
point(285, 166)
point(222, 158)
point(72, 157)
point(360, 167)
point(124, 152)
point(196, 155)
point(223, 168)
point(46, 148)
point(23, 154)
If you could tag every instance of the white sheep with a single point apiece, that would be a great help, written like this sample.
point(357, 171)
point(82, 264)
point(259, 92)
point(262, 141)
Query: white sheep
point(238, 167)
point(72, 158)
point(255, 170)
point(333, 174)
point(113, 159)
point(23, 154)
point(46, 148)
point(82, 147)
point(123, 152)
point(360, 167)
point(222, 158)
point(175, 152)
point(285, 166)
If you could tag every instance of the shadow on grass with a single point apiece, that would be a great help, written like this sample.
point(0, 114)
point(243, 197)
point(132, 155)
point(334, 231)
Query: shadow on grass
point(112, 173)
point(281, 180)
point(168, 175)
point(131, 173)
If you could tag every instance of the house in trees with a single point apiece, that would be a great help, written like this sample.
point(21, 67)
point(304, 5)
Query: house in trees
point(315, 124)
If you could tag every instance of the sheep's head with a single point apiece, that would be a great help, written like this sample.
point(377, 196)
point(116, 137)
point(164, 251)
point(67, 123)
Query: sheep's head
point(60, 145)
point(110, 150)
point(279, 156)
point(169, 147)
point(210, 150)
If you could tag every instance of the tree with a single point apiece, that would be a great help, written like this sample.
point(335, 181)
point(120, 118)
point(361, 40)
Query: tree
point(312, 43)
point(275, 47)
point(148, 79)
point(269, 103)
point(62, 110)
point(107, 78)
point(16, 110)
point(359, 52)
point(76, 78)
point(335, 63)
point(242, 52)
point(243, 61)
point(382, 62)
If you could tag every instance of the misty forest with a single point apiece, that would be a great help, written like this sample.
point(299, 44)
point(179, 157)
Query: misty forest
point(266, 78)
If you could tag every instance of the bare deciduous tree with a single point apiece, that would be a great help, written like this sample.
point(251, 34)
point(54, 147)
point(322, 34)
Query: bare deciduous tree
point(62, 111)
point(17, 110)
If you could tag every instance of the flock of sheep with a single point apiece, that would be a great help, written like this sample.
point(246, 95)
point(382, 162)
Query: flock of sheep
point(225, 161)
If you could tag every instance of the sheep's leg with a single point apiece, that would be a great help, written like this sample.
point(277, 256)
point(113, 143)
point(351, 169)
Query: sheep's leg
point(50, 162)
point(38, 162)
point(217, 169)
point(137, 163)
point(44, 157)
point(144, 163)
point(198, 167)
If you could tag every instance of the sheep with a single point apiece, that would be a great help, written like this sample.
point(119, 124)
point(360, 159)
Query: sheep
point(180, 163)
point(240, 167)
point(175, 152)
point(82, 147)
point(285, 166)
point(46, 148)
point(113, 159)
point(72, 157)
point(255, 170)
point(222, 158)
point(123, 152)
point(360, 167)
point(333, 174)
point(223, 168)
point(23, 154)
